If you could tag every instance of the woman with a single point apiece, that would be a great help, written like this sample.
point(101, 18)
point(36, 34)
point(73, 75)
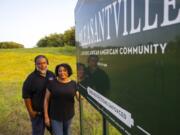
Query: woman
point(83, 79)
point(81, 74)
point(59, 101)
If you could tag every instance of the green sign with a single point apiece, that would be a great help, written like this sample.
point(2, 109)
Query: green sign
point(129, 62)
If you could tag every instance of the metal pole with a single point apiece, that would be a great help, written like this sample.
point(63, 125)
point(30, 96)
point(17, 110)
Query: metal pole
point(81, 114)
point(105, 127)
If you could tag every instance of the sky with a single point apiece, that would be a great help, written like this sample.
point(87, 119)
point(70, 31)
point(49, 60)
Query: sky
point(27, 21)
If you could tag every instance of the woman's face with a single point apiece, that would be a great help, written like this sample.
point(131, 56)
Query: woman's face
point(62, 73)
point(80, 72)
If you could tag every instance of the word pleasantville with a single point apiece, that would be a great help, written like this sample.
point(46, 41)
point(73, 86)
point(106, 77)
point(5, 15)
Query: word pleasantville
point(98, 29)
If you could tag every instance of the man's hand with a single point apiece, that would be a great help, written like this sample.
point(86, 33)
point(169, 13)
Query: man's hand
point(33, 114)
point(28, 103)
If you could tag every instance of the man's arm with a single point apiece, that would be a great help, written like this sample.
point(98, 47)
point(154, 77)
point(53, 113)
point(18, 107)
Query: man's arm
point(28, 103)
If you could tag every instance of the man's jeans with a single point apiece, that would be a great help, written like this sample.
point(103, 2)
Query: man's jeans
point(61, 128)
point(38, 126)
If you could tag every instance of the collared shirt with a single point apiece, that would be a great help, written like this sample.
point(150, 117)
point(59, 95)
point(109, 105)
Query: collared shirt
point(34, 87)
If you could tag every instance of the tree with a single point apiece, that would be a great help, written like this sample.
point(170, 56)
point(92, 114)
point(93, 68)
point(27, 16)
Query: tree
point(53, 40)
point(58, 40)
point(69, 36)
point(8, 45)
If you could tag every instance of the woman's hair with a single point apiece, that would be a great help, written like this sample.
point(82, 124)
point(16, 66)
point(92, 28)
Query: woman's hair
point(81, 65)
point(66, 66)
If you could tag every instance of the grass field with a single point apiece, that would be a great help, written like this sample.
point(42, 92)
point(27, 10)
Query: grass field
point(15, 65)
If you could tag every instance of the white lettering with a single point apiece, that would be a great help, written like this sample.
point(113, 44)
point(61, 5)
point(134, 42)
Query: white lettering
point(101, 22)
point(166, 21)
point(99, 28)
point(108, 9)
point(133, 29)
point(147, 26)
point(163, 47)
point(96, 30)
point(146, 49)
point(117, 16)
point(92, 31)
point(155, 48)
point(125, 18)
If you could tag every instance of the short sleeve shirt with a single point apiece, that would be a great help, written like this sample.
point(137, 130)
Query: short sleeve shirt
point(34, 87)
point(62, 100)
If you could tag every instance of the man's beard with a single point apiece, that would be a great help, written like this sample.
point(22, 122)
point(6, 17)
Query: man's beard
point(42, 72)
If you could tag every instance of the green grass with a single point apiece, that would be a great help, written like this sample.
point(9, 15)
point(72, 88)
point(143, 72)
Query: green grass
point(15, 65)
point(67, 50)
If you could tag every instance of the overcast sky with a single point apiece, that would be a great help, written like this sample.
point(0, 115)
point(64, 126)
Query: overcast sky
point(27, 21)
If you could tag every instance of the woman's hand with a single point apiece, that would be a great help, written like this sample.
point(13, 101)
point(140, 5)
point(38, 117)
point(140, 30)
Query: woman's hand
point(46, 108)
point(47, 122)
point(78, 96)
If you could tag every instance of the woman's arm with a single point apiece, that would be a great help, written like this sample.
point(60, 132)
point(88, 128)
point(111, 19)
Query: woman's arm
point(78, 96)
point(46, 107)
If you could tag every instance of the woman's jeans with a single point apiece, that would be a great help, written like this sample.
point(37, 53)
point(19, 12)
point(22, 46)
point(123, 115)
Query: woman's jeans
point(61, 127)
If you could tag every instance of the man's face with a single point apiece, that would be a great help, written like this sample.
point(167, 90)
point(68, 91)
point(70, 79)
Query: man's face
point(92, 62)
point(41, 64)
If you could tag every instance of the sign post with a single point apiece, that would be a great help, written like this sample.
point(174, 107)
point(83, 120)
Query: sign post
point(105, 127)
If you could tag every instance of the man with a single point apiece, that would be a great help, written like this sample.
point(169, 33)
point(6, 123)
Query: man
point(98, 78)
point(33, 92)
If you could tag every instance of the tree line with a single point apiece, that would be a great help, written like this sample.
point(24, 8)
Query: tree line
point(52, 40)
point(5, 45)
point(58, 40)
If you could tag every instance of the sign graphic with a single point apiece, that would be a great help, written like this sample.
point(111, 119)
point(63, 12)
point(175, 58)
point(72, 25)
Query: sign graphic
point(128, 52)
point(117, 111)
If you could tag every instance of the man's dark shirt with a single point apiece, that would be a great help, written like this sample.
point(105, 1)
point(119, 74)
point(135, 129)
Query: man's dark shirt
point(99, 80)
point(34, 87)
point(62, 100)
